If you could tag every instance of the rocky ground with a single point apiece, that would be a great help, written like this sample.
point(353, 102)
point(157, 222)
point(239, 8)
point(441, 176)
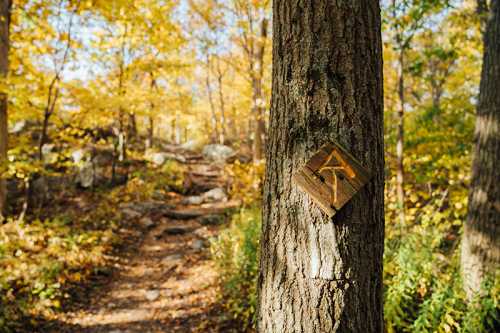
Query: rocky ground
point(163, 279)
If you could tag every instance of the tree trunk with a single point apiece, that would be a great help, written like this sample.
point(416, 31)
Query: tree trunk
point(480, 246)
point(400, 142)
point(151, 132)
point(5, 6)
point(132, 126)
point(214, 136)
point(327, 86)
point(222, 136)
point(257, 96)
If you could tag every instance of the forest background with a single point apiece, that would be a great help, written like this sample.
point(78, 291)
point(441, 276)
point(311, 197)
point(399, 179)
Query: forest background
point(122, 80)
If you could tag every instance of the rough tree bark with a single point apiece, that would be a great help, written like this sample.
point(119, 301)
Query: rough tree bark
point(327, 85)
point(5, 7)
point(480, 245)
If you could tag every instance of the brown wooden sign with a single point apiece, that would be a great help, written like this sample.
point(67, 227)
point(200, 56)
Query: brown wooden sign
point(332, 177)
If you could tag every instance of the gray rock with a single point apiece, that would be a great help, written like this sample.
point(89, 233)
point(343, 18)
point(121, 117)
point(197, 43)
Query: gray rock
point(152, 295)
point(217, 153)
point(130, 214)
point(18, 127)
point(85, 175)
point(158, 158)
point(190, 145)
point(79, 155)
point(147, 222)
point(214, 195)
point(193, 200)
point(198, 244)
point(173, 257)
point(49, 156)
point(47, 148)
point(158, 195)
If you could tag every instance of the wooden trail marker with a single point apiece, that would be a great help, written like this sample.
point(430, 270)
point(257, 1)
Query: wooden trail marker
point(332, 177)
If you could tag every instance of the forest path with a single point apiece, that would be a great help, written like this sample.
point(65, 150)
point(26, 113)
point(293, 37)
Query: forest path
point(163, 280)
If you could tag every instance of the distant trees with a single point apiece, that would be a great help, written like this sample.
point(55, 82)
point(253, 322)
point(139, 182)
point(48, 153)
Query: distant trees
point(480, 243)
point(5, 7)
point(405, 20)
point(233, 46)
point(319, 274)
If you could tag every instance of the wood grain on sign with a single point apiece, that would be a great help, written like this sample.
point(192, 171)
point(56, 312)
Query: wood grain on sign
point(332, 177)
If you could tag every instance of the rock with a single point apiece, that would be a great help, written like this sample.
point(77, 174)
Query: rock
point(147, 222)
point(198, 244)
point(212, 219)
point(216, 194)
point(173, 257)
point(213, 195)
point(192, 200)
point(152, 295)
point(18, 127)
point(79, 155)
point(130, 214)
point(202, 233)
point(143, 207)
point(158, 195)
point(158, 159)
point(190, 145)
point(49, 156)
point(47, 148)
point(217, 152)
point(85, 175)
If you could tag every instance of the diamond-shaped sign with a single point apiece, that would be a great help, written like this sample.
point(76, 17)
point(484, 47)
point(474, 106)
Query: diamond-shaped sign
point(332, 177)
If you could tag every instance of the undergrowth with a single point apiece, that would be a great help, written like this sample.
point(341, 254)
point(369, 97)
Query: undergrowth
point(41, 258)
point(235, 253)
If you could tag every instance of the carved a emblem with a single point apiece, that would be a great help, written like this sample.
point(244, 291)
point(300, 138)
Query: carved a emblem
point(332, 177)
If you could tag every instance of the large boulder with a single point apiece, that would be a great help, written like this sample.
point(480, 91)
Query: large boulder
point(217, 152)
point(85, 175)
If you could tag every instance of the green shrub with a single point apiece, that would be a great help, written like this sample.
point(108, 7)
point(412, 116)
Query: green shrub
point(235, 253)
point(423, 288)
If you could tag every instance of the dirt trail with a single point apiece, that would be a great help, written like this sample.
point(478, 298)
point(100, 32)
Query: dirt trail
point(164, 282)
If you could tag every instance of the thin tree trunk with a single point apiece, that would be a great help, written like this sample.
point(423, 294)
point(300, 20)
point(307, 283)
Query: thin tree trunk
point(173, 126)
point(213, 119)
point(400, 142)
point(257, 96)
point(151, 131)
point(178, 129)
point(122, 135)
point(151, 128)
point(132, 125)
point(480, 245)
point(222, 136)
point(5, 7)
point(327, 85)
